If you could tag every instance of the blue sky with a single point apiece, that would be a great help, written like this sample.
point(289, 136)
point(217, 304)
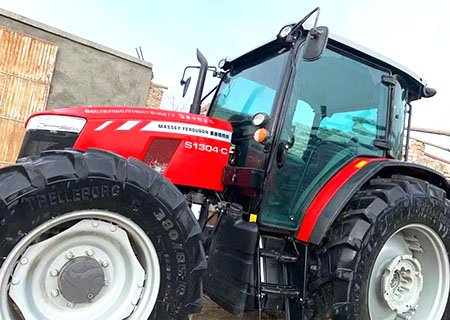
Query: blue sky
point(412, 32)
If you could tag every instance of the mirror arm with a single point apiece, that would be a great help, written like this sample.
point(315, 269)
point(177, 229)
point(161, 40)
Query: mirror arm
point(301, 22)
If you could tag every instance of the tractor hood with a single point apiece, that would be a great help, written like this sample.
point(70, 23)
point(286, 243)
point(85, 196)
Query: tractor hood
point(188, 149)
point(96, 113)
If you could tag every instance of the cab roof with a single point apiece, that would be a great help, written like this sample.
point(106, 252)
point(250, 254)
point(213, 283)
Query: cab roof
point(415, 82)
point(412, 78)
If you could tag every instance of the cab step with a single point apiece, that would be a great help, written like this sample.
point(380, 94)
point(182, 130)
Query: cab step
point(285, 291)
point(280, 256)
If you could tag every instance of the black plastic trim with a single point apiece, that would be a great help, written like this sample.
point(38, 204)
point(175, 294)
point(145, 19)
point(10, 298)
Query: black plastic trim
point(36, 141)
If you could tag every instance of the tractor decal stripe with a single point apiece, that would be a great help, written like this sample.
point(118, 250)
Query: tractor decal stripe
point(103, 126)
point(128, 125)
point(326, 194)
point(188, 129)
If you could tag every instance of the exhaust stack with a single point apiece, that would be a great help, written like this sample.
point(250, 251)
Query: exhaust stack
point(195, 107)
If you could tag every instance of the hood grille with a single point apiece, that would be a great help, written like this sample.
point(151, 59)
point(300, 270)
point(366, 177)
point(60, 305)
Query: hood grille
point(160, 153)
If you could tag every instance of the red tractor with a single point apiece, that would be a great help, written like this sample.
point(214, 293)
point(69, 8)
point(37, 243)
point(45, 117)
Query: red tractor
point(290, 195)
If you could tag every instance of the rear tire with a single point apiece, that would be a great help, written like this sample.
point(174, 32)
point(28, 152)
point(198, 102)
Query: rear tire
point(61, 188)
point(389, 244)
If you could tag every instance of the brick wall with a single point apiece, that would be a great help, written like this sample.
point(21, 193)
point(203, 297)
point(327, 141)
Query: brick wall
point(155, 94)
point(418, 155)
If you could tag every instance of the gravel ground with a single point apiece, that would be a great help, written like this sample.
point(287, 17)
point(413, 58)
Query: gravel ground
point(213, 311)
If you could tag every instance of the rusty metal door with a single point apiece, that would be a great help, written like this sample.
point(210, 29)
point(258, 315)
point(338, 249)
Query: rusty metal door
point(26, 69)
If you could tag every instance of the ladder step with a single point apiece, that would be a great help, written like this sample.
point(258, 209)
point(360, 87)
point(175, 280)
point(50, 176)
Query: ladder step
point(285, 291)
point(280, 256)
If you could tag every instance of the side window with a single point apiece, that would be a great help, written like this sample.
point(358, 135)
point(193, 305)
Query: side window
point(298, 130)
point(359, 126)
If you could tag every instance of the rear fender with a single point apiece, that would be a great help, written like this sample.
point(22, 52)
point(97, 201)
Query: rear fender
point(318, 218)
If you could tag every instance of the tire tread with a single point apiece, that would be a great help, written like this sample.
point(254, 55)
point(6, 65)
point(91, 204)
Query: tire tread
point(56, 166)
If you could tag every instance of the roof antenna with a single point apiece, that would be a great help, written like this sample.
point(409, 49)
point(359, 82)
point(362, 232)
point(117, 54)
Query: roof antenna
point(139, 53)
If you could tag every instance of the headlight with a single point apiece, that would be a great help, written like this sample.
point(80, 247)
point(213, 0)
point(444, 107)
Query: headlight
point(260, 119)
point(56, 123)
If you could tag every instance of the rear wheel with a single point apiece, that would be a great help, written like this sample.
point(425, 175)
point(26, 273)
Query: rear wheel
point(386, 256)
point(94, 236)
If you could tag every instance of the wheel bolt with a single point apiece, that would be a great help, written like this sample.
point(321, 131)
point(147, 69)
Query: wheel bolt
point(90, 252)
point(15, 281)
point(70, 304)
point(55, 293)
point(113, 228)
point(54, 273)
point(24, 260)
point(69, 256)
point(90, 296)
point(95, 223)
point(105, 264)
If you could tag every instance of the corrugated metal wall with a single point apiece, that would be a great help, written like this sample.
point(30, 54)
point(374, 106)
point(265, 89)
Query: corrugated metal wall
point(26, 69)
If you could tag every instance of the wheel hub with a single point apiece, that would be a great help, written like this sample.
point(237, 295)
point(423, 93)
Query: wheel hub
point(402, 283)
point(81, 280)
point(88, 271)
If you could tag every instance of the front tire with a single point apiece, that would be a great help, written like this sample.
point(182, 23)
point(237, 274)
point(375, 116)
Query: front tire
point(386, 256)
point(97, 236)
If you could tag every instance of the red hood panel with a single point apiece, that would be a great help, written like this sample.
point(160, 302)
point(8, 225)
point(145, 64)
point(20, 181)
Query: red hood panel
point(188, 149)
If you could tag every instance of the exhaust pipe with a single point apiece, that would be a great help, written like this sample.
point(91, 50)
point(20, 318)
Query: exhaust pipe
point(195, 107)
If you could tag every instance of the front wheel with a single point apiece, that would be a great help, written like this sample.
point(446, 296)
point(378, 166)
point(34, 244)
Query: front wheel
point(386, 256)
point(94, 236)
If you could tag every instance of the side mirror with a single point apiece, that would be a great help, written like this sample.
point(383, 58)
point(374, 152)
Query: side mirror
point(315, 44)
point(185, 85)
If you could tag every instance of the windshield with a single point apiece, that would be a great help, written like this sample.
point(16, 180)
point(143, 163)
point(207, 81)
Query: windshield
point(245, 92)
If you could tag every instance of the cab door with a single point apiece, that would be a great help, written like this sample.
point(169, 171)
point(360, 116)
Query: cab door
point(337, 108)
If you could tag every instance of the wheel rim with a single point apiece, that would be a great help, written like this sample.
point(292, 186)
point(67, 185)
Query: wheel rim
point(410, 276)
point(89, 271)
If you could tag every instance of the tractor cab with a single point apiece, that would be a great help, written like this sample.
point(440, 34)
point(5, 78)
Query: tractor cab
point(303, 108)
point(302, 120)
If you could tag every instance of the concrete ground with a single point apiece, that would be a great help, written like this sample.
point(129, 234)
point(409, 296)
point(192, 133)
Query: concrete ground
point(213, 311)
